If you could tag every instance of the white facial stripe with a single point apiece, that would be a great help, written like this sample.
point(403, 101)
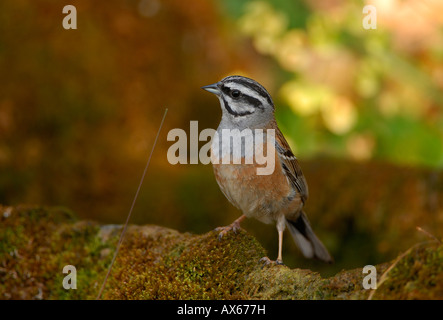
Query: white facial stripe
point(247, 91)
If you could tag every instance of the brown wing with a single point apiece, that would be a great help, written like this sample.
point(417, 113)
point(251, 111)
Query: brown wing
point(291, 166)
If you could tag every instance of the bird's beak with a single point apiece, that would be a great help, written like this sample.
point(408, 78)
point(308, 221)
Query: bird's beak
point(213, 88)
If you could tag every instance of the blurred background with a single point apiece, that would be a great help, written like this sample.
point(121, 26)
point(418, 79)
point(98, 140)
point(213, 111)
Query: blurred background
point(79, 109)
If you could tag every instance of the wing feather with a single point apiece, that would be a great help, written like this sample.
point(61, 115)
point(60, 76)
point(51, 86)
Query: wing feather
point(291, 166)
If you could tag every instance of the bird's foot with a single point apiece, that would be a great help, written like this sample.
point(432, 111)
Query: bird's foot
point(267, 262)
point(235, 227)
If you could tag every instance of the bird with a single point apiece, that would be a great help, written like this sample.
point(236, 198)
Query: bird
point(278, 196)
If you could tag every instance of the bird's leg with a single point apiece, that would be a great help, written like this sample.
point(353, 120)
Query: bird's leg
point(280, 245)
point(266, 261)
point(235, 226)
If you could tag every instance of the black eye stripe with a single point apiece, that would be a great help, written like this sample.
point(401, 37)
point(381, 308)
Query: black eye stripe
point(251, 85)
point(262, 92)
point(244, 97)
point(225, 89)
point(252, 101)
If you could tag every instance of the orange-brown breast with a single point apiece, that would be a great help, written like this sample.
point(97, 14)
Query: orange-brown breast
point(265, 197)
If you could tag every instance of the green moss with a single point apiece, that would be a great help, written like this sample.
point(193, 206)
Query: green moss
point(160, 263)
point(280, 282)
point(418, 275)
point(38, 243)
point(348, 284)
point(80, 246)
point(188, 266)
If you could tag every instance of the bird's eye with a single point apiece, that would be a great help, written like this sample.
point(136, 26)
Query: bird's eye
point(235, 93)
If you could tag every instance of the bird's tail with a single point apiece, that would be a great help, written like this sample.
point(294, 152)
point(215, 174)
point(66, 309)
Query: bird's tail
point(306, 240)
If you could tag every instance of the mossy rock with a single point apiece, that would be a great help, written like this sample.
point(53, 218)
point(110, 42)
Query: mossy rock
point(159, 263)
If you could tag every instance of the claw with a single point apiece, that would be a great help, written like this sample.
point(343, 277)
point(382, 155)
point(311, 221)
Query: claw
point(235, 227)
point(222, 232)
point(266, 262)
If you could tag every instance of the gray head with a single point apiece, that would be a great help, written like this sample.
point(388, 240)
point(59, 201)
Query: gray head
point(244, 102)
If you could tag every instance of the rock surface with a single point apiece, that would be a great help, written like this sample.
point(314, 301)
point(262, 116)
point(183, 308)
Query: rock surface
point(160, 263)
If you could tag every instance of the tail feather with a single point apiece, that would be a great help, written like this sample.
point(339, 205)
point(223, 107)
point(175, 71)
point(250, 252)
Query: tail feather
point(306, 240)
